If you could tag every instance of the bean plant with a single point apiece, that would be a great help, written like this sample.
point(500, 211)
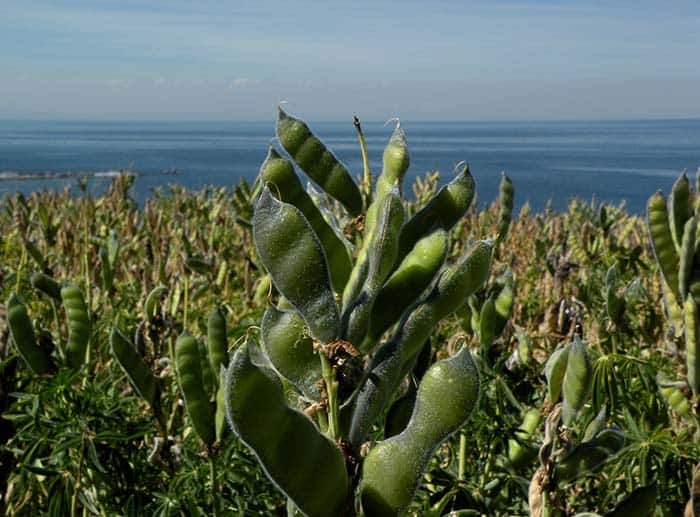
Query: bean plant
point(323, 375)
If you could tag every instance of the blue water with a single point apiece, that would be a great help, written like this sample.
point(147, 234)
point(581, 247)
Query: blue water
point(611, 161)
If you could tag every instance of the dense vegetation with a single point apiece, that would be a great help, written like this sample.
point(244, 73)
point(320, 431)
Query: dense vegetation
point(82, 433)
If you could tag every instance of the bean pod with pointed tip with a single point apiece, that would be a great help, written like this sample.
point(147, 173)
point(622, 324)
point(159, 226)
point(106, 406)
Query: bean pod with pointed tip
point(150, 306)
point(662, 240)
point(140, 375)
point(506, 193)
point(23, 336)
point(554, 371)
point(304, 464)
point(384, 245)
point(396, 357)
point(47, 285)
point(188, 365)
point(292, 254)
point(394, 167)
point(78, 325)
point(278, 172)
point(318, 162)
point(679, 208)
point(687, 257)
point(393, 468)
point(443, 210)
point(406, 284)
point(577, 380)
point(216, 341)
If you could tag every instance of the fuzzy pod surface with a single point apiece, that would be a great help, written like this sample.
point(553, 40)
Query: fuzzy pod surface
point(304, 464)
point(292, 254)
point(319, 163)
point(393, 469)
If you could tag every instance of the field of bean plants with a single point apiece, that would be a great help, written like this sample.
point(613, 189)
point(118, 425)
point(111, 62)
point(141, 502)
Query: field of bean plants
point(324, 344)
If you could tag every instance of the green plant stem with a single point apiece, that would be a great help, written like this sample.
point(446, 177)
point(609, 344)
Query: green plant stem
point(215, 499)
point(462, 456)
point(186, 301)
point(367, 175)
point(332, 391)
point(88, 297)
point(22, 260)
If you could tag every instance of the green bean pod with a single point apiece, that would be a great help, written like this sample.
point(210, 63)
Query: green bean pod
point(188, 364)
point(520, 451)
point(35, 253)
point(614, 304)
point(679, 208)
point(577, 380)
point(208, 379)
point(318, 162)
point(595, 425)
point(107, 271)
point(394, 467)
point(216, 341)
point(405, 284)
point(291, 351)
point(394, 167)
point(396, 357)
point(220, 414)
point(23, 336)
point(304, 464)
point(381, 262)
point(443, 210)
point(200, 265)
point(487, 324)
point(78, 325)
point(640, 503)
point(687, 256)
point(150, 306)
point(506, 193)
point(692, 335)
point(503, 303)
point(279, 172)
point(47, 285)
point(674, 309)
point(587, 456)
point(132, 364)
point(675, 398)
point(292, 254)
point(395, 162)
point(662, 240)
point(554, 370)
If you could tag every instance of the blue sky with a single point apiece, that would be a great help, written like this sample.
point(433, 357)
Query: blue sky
point(440, 60)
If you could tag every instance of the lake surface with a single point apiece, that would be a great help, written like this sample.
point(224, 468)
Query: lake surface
point(611, 160)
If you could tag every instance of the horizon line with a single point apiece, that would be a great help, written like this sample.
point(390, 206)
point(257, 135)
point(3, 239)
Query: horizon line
point(156, 120)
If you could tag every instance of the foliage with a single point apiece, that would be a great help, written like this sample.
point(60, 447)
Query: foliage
point(83, 438)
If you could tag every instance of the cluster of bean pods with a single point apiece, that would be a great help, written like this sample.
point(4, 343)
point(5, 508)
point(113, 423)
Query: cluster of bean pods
point(673, 231)
point(38, 357)
point(563, 458)
point(355, 308)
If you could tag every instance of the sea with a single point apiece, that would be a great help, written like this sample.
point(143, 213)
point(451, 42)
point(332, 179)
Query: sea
point(550, 163)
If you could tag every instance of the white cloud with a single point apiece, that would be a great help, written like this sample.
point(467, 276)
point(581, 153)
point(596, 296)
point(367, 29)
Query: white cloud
point(242, 82)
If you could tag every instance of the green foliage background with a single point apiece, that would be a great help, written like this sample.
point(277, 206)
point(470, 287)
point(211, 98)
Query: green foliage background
point(85, 440)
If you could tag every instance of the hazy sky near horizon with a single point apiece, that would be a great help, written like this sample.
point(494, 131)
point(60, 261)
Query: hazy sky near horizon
point(440, 60)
